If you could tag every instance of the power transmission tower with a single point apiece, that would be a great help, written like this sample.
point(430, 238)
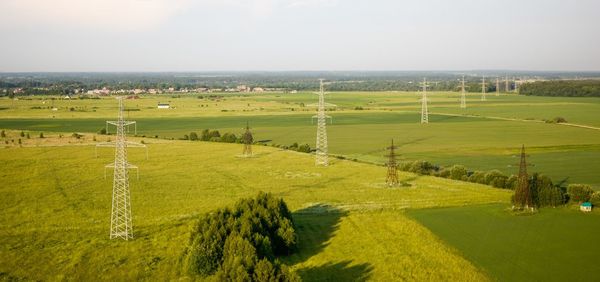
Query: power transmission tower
point(321, 156)
point(517, 86)
point(463, 95)
point(392, 174)
point(120, 223)
point(506, 88)
point(523, 196)
point(483, 98)
point(424, 109)
point(497, 86)
point(248, 139)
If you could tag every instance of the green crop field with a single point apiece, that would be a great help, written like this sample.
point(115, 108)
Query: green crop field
point(554, 245)
point(484, 136)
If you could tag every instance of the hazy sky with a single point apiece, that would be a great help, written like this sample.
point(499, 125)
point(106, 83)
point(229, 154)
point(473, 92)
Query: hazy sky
point(206, 35)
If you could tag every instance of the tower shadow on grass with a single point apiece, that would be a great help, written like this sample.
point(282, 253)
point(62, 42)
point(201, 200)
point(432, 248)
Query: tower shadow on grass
point(341, 271)
point(316, 225)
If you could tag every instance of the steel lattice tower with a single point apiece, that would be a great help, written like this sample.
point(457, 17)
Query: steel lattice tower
point(483, 98)
point(392, 174)
point(523, 196)
point(248, 139)
point(506, 84)
point(497, 86)
point(120, 223)
point(463, 95)
point(321, 156)
point(424, 109)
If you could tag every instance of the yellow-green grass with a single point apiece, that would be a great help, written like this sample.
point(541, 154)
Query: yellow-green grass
point(554, 245)
point(56, 211)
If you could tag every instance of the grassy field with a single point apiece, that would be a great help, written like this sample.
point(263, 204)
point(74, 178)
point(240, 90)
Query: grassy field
point(475, 137)
point(56, 211)
point(554, 245)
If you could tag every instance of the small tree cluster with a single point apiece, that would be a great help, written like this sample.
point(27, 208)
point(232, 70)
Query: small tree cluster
point(304, 148)
point(241, 243)
point(579, 193)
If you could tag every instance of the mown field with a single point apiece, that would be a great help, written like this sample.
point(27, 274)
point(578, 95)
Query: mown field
point(482, 137)
point(553, 245)
point(56, 212)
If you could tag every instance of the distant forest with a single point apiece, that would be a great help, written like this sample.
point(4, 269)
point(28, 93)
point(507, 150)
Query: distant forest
point(565, 88)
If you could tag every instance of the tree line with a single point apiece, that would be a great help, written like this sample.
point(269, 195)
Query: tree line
point(545, 192)
point(242, 243)
point(562, 88)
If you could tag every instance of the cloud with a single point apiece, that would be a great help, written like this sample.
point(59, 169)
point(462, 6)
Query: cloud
point(125, 15)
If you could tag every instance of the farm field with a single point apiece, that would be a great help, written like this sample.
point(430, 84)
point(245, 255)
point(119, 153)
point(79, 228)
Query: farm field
point(474, 137)
point(548, 246)
point(56, 209)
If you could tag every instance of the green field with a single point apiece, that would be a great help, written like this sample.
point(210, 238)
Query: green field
point(550, 246)
point(56, 210)
point(479, 137)
point(56, 201)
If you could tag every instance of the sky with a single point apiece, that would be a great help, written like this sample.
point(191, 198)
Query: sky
point(285, 35)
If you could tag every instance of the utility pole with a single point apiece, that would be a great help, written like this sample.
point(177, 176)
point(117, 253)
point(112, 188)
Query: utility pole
point(321, 156)
point(392, 174)
point(424, 109)
point(463, 96)
point(248, 139)
point(523, 197)
point(483, 98)
point(497, 86)
point(120, 223)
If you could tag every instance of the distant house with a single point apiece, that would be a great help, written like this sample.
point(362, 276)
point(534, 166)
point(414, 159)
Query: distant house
point(586, 207)
point(164, 106)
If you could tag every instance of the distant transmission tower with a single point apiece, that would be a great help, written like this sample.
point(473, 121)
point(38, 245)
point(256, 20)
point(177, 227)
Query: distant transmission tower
point(392, 174)
point(523, 195)
point(506, 88)
point(463, 95)
point(248, 139)
point(321, 156)
point(120, 223)
point(497, 86)
point(424, 109)
point(483, 98)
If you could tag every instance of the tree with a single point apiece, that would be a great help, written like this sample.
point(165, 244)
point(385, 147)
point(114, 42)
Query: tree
point(579, 193)
point(304, 148)
point(41, 134)
point(27, 135)
point(457, 172)
point(205, 135)
point(2, 134)
point(102, 131)
point(22, 134)
point(193, 136)
point(229, 138)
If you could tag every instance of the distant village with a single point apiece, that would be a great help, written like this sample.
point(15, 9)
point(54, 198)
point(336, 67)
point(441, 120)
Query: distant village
point(171, 90)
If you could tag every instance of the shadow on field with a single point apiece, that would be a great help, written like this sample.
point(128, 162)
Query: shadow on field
point(341, 271)
point(315, 225)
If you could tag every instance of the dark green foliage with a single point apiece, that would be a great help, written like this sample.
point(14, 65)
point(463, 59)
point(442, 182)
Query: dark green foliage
point(22, 134)
point(28, 136)
point(496, 179)
point(41, 134)
point(544, 193)
point(419, 167)
point(457, 172)
point(193, 136)
point(229, 138)
point(579, 193)
point(564, 88)
point(233, 240)
point(205, 135)
point(102, 131)
point(2, 134)
point(304, 148)
point(595, 199)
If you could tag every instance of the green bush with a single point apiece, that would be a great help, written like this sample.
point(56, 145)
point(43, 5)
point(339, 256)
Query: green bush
point(193, 136)
point(579, 193)
point(233, 240)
